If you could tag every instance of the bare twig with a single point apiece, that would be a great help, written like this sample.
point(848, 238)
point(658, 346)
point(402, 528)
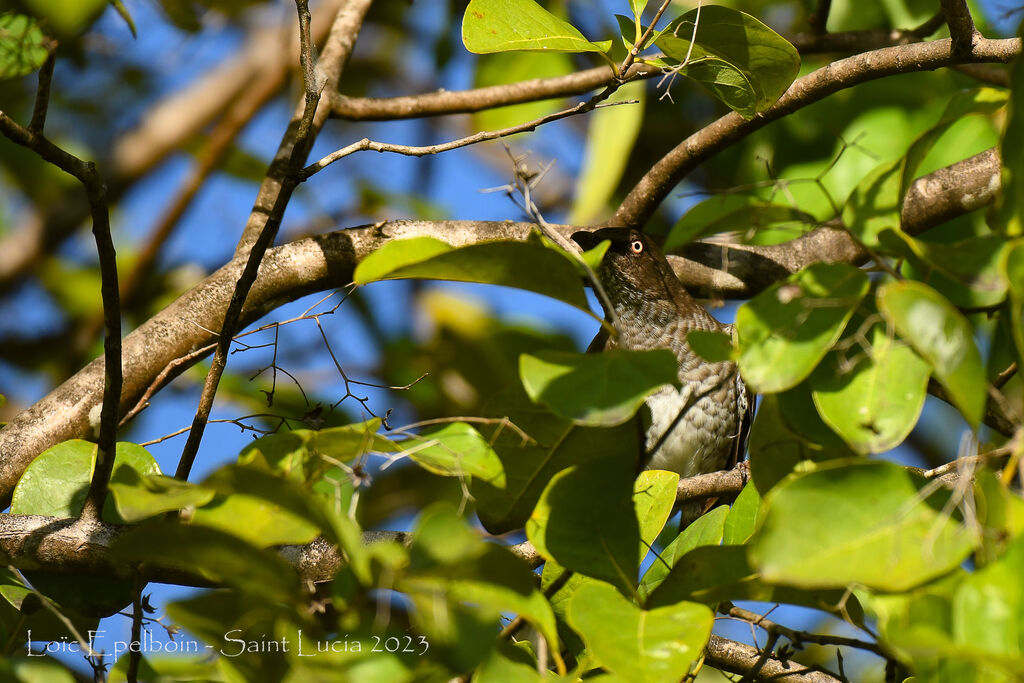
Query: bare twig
point(424, 150)
point(797, 638)
point(42, 103)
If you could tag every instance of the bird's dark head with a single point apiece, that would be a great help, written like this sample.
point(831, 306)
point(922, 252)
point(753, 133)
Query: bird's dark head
point(633, 270)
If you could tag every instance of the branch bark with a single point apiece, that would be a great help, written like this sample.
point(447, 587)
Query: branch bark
point(737, 658)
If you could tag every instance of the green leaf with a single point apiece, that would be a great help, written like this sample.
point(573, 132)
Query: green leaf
point(304, 455)
point(787, 434)
point(639, 645)
point(217, 555)
point(55, 483)
point(396, 255)
point(22, 45)
point(736, 213)
point(611, 134)
point(1012, 268)
point(585, 520)
point(448, 557)
point(21, 610)
point(985, 101)
point(638, 8)
point(139, 497)
point(654, 496)
point(784, 331)
point(456, 450)
point(965, 271)
point(705, 530)
point(526, 265)
point(1008, 216)
point(554, 445)
point(744, 517)
point(266, 509)
point(943, 336)
point(988, 611)
point(596, 389)
point(858, 522)
point(874, 205)
point(874, 404)
point(711, 346)
point(511, 67)
point(67, 18)
point(593, 257)
point(1000, 513)
point(123, 12)
point(743, 62)
point(502, 25)
point(255, 520)
point(710, 574)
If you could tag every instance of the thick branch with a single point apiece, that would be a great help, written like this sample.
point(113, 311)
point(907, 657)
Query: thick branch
point(191, 322)
point(740, 270)
point(645, 197)
point(737, 658)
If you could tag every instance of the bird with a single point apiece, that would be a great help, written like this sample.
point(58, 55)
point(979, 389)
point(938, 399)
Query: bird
point(702, 426)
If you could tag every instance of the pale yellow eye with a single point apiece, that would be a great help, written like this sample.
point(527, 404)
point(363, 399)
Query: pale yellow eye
point(636, 246)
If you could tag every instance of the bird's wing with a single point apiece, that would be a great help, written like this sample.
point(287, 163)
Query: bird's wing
point(602, 341)
point(745, 407)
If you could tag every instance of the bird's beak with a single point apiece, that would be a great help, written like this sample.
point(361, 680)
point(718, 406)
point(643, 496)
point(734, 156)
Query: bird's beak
point(586, 240)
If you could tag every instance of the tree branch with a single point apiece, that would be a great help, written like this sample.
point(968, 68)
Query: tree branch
point(645, 197)
point(95, 190)
point(961, 26)
point(742, 270)
point(418, 151)
point(737, 658)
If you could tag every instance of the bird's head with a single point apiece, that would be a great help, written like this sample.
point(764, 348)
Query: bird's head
point(633, 270)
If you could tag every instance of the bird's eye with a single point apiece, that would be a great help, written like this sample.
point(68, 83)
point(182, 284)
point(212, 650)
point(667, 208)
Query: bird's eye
point(636, 246)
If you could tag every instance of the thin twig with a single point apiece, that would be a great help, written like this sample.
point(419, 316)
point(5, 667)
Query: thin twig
point(424, 150)
point(642, 43)
point(42, 102)
point(961, 26)
point(95, 189)
point(303, 140)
